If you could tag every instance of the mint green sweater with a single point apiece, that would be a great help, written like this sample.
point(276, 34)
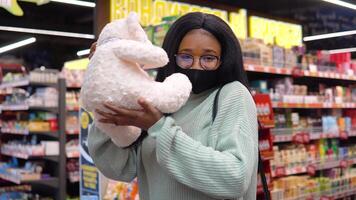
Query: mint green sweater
point(186, 156)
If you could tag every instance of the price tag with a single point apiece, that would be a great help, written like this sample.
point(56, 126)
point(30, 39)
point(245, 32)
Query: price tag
point(306, 138)
point(313, 68)
point(343, 135)
point(311, 169)
point(343, 163)
point(250, 68)
point(278, 71)
point(280, 171)
point(326, 198)
point(301, 138)
point(306, 73)
point(298, 138)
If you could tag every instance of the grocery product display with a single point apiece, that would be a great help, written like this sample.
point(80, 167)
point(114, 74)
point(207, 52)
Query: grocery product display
point(32, 135)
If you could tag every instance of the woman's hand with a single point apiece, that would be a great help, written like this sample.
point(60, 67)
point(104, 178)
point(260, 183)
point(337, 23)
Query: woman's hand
point(92, 50)
point(143, 119)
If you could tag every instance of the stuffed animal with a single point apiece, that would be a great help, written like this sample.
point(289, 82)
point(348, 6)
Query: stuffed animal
point(116, 74)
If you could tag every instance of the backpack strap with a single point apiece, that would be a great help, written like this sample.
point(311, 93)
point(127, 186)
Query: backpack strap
point(260, 161)
point(216, 102)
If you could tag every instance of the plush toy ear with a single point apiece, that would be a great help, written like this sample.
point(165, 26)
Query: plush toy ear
point(134, 28)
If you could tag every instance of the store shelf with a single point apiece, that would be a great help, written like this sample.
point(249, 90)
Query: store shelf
point(27, 157)
point(329, 75)
point(43, 108)
point(268, 69)
point(72, 132)
point(12, 84)
point(286, 134)
point(74, 86)
point(314, 106)
point(303, 73)
point(14, 107)
point(73, 154)
point(43, 84)
point(73, 108)
point(14, 132)
point(26, 132)
point(318, 165)
point(47, 133)
point(52, 182)
point(337, 193)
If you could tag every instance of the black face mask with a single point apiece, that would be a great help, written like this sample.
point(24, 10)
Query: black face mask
point(201, 80)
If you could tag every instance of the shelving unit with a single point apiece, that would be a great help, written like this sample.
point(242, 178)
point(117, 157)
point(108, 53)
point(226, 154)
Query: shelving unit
point(299, 73)
point(289, 136)
point(57, 181)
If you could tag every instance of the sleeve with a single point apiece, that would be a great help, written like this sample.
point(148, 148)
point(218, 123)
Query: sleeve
point(113, 162)
point(224, 171)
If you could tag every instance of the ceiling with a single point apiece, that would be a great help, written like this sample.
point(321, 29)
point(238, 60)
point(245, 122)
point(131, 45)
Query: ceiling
point(316, 16)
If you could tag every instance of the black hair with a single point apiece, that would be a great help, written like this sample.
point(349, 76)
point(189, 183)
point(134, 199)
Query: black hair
point(231, 68)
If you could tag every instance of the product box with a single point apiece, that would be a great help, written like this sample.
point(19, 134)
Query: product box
point(256, 52)
point(290, 58)
point(278, 56)
point(51, 148)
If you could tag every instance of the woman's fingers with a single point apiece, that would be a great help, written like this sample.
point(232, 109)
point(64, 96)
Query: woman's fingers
point(108, 121)
point(105, 114)
point(146, 106)
point(121, 111)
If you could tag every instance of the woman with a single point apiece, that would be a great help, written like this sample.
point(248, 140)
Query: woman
point(188, 155)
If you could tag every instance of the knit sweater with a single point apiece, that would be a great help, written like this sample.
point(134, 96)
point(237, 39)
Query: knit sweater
point(186, 156)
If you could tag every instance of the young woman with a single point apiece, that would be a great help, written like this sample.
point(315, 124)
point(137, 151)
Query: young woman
point(190, 155)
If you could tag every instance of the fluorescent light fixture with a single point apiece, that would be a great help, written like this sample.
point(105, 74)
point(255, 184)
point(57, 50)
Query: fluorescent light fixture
point(17, 44)
point(342, 3)
point(329, 35)
point(83, 52)
point(46, 32)
point(342, 50)
point(76, 2)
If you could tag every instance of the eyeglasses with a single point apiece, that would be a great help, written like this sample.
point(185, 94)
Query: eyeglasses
point(207, 62)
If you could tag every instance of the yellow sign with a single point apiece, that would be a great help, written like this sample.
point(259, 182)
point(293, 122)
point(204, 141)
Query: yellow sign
point(151, 12)
point(79, 64)
point(238, 23)
point(275, 32)
point(90, 176)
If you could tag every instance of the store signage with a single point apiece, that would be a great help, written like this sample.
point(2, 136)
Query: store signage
point(275, 32)
point(89, 175)
point(79, 64)
point(13, 7)
point(151, 12)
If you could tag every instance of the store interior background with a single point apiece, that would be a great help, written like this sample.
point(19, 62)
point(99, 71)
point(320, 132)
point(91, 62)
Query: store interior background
point(315, 16)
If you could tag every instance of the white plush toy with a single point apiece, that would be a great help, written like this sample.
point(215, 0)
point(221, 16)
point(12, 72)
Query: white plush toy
point(116, 74)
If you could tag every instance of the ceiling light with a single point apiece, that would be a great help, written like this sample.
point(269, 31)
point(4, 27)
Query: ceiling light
point(342, 50)
point(76, 2)
point(342, 3)
point(83, 52)
point(329, 35)
point(46, 32)
point(17, 44)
